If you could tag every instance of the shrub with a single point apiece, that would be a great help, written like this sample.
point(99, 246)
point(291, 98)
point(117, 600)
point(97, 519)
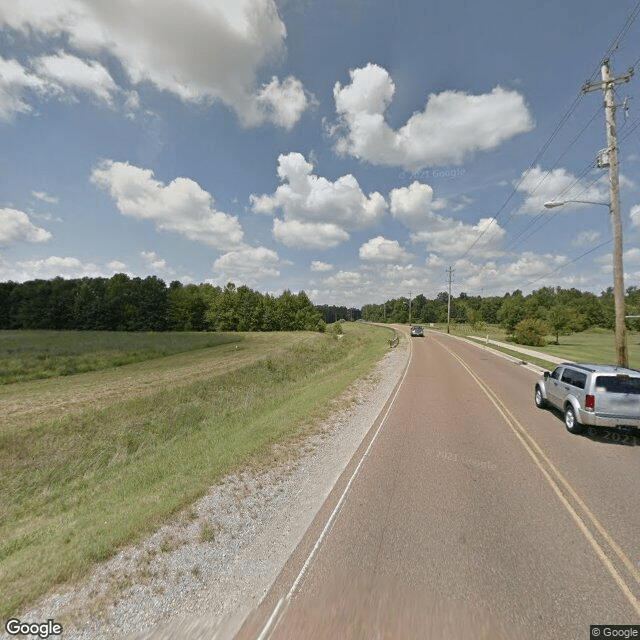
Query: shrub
point(336, 328)
point(531, 331)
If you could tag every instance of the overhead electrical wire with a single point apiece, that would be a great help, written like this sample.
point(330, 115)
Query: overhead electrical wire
point(613, 47)
point(537, 158)
point(618, 40)
point(566, 264)
point(567, 189)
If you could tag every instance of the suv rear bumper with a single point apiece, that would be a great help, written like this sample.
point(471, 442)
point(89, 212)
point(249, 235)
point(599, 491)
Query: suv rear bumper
point(599, 420)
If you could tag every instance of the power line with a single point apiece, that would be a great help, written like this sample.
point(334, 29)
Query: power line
point(614, 46)
point(563, 266)
point(618, 40)
point(567, 189)
point(535, 161)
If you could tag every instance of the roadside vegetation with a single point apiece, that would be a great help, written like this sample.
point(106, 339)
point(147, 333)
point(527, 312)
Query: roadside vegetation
point(33, 355)
point(550, 312)
point(121, 303)
point(593, 345)
point(80, 483)
point(566, 323)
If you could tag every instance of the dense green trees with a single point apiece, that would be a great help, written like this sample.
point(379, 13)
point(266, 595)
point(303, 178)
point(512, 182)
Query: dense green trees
point(121, 303)
point(332, 313)
point(558, 311)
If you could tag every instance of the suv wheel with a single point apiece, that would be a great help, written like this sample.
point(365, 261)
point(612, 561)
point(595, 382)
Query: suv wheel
point(570, 421)
point(539, 399)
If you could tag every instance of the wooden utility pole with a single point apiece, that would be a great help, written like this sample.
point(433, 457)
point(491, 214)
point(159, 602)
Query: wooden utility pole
point(606, 85)
point(450, 272)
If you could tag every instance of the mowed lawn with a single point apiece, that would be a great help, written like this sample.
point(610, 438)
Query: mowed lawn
point(94, 461)
point(594, 345)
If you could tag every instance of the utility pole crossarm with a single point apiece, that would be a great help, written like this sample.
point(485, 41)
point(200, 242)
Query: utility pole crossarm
point(602, 84)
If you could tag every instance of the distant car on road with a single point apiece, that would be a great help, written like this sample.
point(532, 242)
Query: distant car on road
point(417, 330)
point(597, 395)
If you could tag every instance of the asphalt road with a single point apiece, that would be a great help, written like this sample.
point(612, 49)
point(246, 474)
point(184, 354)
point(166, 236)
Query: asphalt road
point(466, 513)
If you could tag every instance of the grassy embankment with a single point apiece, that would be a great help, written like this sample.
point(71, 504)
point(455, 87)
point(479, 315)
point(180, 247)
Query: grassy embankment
point(92, 462)
point(593, 345)
point(33, 355)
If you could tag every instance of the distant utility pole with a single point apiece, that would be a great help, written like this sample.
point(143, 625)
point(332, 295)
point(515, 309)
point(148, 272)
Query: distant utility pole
point(606, 85)
point(409, 307)
point(450, 272)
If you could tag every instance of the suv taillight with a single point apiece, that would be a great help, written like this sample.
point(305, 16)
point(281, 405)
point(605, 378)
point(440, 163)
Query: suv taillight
point(590, 402)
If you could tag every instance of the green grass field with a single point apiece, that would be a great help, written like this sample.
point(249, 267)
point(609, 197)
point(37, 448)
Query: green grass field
point(32, 355)
point(92, 462)
point(594, 345)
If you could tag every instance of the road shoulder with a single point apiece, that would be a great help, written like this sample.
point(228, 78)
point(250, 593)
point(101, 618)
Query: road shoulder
point(200, 575)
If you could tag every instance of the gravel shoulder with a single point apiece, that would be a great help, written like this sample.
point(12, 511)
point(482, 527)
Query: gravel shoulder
point(200, 575)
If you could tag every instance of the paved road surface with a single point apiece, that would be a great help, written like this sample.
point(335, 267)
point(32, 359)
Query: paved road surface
point(466, 513)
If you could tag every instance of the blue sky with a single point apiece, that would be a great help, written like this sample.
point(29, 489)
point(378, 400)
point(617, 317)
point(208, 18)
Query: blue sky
point(351, 148)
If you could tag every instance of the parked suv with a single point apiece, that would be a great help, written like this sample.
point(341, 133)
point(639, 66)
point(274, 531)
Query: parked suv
point(598, 395)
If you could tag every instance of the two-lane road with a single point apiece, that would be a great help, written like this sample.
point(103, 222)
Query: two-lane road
point(466, 513)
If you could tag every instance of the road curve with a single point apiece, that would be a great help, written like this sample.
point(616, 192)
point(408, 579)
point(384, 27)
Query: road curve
point(466, 513)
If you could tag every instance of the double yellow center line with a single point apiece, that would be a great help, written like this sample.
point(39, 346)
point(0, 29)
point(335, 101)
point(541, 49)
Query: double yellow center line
point(580, 513)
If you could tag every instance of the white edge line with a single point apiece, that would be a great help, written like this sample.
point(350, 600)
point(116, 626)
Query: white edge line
point(334, 514)
point(276, 610)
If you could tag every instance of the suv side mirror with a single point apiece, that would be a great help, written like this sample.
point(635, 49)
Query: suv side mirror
point(546, 374)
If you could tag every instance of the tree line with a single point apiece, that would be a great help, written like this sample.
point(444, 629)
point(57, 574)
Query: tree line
point(546, 311)
point(121, 303)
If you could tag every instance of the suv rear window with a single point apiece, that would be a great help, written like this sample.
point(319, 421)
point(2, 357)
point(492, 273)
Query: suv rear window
point(575, 378)
point(619, 384)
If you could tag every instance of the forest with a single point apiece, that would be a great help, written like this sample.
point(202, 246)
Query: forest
point(121, 303)
point(526, 318)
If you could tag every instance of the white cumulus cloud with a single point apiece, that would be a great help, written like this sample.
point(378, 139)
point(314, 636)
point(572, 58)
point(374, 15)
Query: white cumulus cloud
point(52, 267)
point(528, 269)
point(317, 212)
point(414, 205)
point(182, 206)
point(450, 237)
point(346, 280)
point(16, 83)
point(380, 249)
point(319, 266)
point(198, 50)
point(60, 76)
point(62, 72)
point(586, 237)
point(539, 186)
point(117, 266)
point(282, 103)
point(248, 265)
point(15, 226)
point(308, 235)
point(44, 197)
point(157, 263)
point(452, 126)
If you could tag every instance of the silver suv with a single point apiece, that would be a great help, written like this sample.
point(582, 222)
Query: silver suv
point(598, 395)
